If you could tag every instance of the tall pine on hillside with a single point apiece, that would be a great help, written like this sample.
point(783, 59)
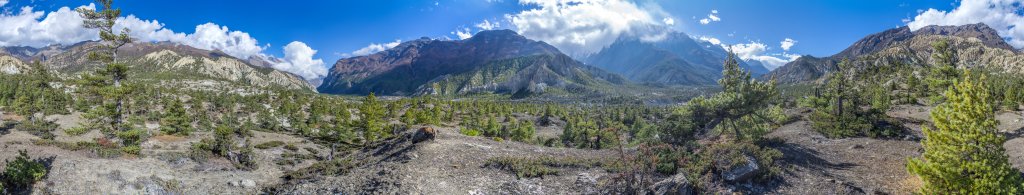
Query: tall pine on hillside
point(106, 85)
point(943, 70)
point(372, 119)
point(965, 154)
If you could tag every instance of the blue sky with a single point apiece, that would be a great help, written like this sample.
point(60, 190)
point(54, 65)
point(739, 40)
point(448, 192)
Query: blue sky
point(336, 29)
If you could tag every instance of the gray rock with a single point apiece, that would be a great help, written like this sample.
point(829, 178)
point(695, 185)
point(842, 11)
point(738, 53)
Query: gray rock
point(248, 183)
point(742, 172)
point(677, 184)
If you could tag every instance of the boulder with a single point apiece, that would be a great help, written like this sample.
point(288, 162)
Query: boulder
point(247, 183)
point(677, 184)
point(424, 134)
point(743, 171)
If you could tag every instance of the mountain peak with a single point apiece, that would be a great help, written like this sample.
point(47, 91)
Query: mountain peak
point(986, 34)
point(419, 62)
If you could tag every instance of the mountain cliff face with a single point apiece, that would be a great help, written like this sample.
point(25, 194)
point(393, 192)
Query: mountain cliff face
point(977, 45)
point(498, 61)
point(11, 65)
point(676, 60)
point(162, 63)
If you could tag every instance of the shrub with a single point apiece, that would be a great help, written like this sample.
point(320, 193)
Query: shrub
point(38, 127)
point(23, 171)
point(469, 132)
point(540, 166)
point(76, 131)
point(133, 150)
point(291, 147)
point(270, 144)
point(132, 137)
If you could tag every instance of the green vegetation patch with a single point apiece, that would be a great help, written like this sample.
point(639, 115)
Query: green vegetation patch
point(529, 167)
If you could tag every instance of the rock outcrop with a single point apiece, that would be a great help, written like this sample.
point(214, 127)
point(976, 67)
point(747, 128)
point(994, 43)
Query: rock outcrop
point(978, 45)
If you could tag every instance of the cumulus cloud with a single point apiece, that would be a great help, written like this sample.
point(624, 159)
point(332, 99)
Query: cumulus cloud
point(758, 51)
point(712, 40)
point(1002, 15)
point(30, 28)
point(755, 51)
point(669, 21)
point(148, 30)
point(373, 48)
point(712, 17)
point(39, 29)
point(298, 59)
point(463, 33)
point(787, 43)
point(211, 36)
point(585, 26)
point(3, 2)
point(488, 25)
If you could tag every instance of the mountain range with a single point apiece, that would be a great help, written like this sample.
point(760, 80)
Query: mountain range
point(977, 45)
point(168, 63)
point(677, 59)
point(502, 61)
point(497, 61)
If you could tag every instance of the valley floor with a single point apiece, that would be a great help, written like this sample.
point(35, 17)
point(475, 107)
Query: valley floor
point(455, 164)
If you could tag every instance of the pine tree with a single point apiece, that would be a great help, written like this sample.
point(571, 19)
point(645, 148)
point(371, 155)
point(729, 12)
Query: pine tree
point(106, 83)
point(372, 119)
point(964, 154)
point(175, 120)
point(943, 70)
point(840, 116)
point(736, 109)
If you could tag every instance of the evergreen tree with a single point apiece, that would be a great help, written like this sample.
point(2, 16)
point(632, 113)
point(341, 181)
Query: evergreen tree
point(107, 82)
point(176, 120)
point(739, 106)
point(964, 154)
point(943, 70)
point(840, 116)
point(372, 119)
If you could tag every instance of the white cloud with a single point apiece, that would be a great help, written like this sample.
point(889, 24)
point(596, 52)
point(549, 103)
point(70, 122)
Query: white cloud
point(787, 43)
point(30, 28)
point(64, 26)
point(1002, 15)
point(211, 36)
point(585, 26)
point(298, 59)
point(463, 33)
point(712, 17)
point(373, 48)
point(669, 21)
point(3, 2)
point(711, 40)
point(148, 30)
point(758, 51)
point(488, 25)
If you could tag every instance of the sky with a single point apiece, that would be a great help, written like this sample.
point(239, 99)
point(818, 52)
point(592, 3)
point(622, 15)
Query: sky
point(308, 36)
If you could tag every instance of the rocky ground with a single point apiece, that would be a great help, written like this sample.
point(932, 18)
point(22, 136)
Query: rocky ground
point(817, 165)
point(455, 164)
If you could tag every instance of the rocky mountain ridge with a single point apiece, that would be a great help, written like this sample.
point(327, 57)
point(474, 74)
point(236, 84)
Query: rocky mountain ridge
point(978, 45)
point(499, 61)
point(676, 60)
point(160, 62)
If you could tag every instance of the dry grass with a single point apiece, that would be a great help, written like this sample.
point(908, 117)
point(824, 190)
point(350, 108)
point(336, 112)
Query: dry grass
point(168, 138)
point(910, 184)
